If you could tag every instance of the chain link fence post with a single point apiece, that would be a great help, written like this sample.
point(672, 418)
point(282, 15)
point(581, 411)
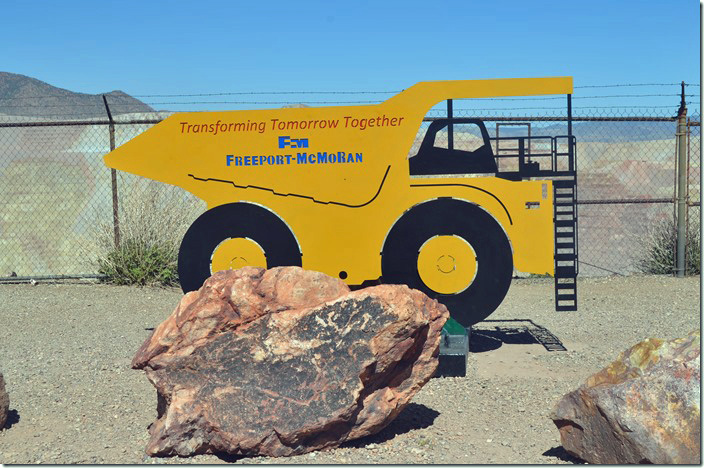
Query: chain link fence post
point(113, 176)
point(682, 186)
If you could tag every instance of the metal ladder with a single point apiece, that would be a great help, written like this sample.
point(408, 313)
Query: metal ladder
point(566, 257)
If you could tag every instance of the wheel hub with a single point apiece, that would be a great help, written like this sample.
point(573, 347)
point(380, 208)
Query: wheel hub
point(234, 253)
point(447, 264)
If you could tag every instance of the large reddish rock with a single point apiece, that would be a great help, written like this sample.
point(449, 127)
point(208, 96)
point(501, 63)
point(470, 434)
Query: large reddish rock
point(286, 361)
point(642, 408)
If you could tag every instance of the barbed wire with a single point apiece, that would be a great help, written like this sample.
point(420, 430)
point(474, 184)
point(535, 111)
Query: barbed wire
point(307, 102)
point(130, 101)
point(551, 98)
point(542, 98)
point(2, 106)
point(191, 102)
point(672, 106)
point(640, 84)
point(244, 93)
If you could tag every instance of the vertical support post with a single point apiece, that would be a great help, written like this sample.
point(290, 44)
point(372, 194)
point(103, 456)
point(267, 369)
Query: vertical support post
point(522, 156)
point(450, 128)
point(681, 186)
point(113, 177)
point(570, 149)
point(689, 205)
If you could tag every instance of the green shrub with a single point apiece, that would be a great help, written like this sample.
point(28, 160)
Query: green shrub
point(139, 264)
point(153, 219)
point(659, 249)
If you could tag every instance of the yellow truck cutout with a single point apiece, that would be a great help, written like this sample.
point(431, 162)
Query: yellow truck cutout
point(333, 189)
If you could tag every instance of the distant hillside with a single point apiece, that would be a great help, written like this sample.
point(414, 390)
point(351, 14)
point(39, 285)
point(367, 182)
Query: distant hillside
point(614, 132)
point(25, 96)
point(606, 132)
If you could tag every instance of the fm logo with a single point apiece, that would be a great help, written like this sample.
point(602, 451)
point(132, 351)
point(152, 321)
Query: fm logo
point(285, 141)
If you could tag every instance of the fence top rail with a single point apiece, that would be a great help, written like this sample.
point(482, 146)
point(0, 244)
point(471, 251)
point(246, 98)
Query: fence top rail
point(63, 123)
point(68, 123)
point(564, 119)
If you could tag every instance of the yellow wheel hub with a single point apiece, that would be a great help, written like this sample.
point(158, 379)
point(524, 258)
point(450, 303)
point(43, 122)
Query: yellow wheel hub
point(447, 264)
point(235, 253)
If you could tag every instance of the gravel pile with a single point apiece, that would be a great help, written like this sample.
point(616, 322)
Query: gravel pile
point(65, 352)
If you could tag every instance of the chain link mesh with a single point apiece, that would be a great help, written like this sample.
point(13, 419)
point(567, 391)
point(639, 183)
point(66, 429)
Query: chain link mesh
point(54, 186)
point(57, 194)
point(694, 199)
point(626, 173)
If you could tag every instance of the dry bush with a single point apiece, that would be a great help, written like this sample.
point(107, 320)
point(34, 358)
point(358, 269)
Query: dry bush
point(659, 248)
point(153, 219)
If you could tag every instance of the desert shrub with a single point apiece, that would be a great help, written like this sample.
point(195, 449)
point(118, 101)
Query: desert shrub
point(137, 263)
point(153, 219)
point(659, 248)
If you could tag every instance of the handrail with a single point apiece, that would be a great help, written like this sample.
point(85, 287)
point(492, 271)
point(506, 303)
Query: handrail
point(555, 156)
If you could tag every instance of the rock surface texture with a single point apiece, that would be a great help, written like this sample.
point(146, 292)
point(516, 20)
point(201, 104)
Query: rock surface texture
point(4, 403)
point(642, 408)
point(286, 361)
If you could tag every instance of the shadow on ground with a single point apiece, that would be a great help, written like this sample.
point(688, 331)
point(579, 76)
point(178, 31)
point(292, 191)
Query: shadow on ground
point(226, 457)
point(13, 417)
point(562, 454)
point(492, 334)
point(414, 416)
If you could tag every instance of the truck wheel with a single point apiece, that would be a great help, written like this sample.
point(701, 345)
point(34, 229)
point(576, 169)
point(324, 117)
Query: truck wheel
point(454, 252)
point(233, 236)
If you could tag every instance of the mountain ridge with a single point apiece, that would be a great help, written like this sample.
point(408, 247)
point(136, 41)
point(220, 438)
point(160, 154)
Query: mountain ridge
point(25, 96)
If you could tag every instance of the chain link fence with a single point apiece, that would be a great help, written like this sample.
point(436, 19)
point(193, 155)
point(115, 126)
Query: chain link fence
point(57, 195)
point(693, 195)
point(694, 161)
point(627, 175)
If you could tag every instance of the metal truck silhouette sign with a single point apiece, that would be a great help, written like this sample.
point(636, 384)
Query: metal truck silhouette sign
point(333, 189)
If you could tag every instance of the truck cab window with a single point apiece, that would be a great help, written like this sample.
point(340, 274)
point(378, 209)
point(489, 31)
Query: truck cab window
point(466, 137)
point(454, 146)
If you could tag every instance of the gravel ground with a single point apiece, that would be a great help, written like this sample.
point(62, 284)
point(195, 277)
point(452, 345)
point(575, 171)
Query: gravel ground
point(66, 350)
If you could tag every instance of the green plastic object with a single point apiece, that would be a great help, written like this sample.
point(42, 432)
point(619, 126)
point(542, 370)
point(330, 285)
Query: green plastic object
point(454, 348)
point(453, 327)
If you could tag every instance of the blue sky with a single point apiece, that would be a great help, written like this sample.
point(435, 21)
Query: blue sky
point(209, 46)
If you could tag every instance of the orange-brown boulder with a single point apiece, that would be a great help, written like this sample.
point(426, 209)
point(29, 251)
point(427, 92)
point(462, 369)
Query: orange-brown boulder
point(286, 361)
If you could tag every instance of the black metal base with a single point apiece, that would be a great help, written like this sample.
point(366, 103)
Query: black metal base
point(454, 350)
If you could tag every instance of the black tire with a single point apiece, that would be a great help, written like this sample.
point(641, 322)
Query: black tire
point(232, 221)
point(399, 260)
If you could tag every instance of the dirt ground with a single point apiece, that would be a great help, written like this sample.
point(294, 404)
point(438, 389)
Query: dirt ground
point(65, 351)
